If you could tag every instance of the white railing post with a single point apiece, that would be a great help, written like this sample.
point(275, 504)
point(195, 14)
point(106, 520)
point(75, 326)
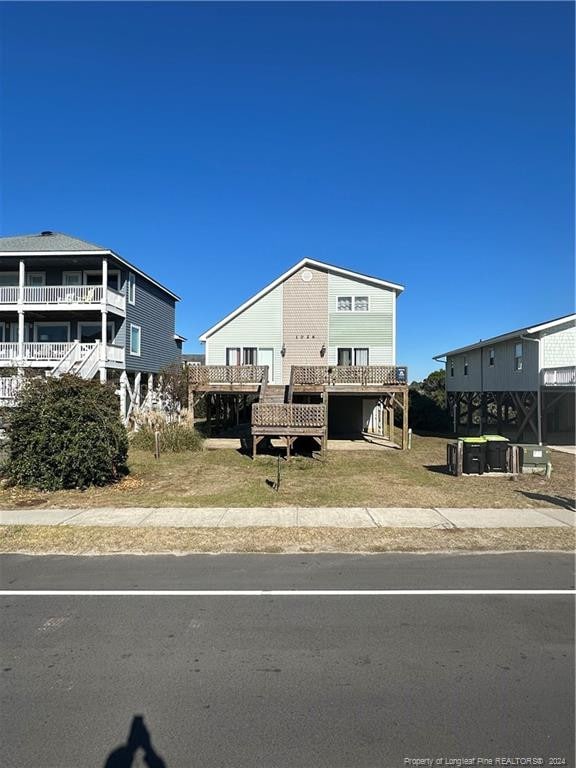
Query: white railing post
point(104, 320)
point(21, 282)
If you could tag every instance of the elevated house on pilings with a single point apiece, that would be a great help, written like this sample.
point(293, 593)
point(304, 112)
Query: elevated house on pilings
point(313, 353)
point(521, 384)
point(69, 306)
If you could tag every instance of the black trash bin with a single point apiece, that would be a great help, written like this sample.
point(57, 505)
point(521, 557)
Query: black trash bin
point(496, 453)
point(473, 455)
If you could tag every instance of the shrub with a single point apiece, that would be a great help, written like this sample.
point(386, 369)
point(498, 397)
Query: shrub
point(174, 438)
point(65, 433)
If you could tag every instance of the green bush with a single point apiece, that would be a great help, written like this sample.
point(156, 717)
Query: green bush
point(65, 433)
point(174, 438)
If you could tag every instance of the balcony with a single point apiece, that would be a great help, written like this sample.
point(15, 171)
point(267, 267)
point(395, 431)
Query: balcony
point(45, 354)
point(227, 377)
point(62, 297)
point(559, 377)
point(347, 377)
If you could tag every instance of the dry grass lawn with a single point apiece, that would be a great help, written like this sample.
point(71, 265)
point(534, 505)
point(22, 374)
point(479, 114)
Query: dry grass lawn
point(34, 539)
point(379, 478)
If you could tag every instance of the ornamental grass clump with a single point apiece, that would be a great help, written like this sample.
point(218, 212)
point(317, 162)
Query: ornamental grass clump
point(174, 438)
point(65, 433)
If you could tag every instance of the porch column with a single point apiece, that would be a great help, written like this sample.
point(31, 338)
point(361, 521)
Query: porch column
point(104, 338)
point(21, 283)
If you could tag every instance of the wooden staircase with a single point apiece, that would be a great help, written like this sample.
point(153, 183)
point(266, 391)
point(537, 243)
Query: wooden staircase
point(273, 393)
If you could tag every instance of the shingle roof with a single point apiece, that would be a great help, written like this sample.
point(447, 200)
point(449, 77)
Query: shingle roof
point(57, 242)
point(54, 241)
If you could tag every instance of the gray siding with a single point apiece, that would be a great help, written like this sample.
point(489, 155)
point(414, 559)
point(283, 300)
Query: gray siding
point(155, 313)
point(501, 377)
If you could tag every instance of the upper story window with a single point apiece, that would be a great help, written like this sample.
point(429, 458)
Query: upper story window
point(518, 355)
point(35, 279)
point(233, 355)
point(131, 288)
point(344, 303)
point(8, 278)
point(353, 303)
point(465, 366)
point(451, 367)
point(250, 356)
point(491, 357)
point(135, 339)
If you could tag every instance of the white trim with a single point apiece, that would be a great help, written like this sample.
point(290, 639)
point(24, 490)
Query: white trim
point(394, 330)
point(131, 289)
point(552, 324)
point(93, 253)
point(130, 352)
point(289, 273)
point(109, 323)
point(51, 323)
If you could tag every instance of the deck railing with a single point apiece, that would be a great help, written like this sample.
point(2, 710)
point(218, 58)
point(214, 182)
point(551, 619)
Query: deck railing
point(202, 375)
point(61, 295)
point(288, 415)
point(559, 377)
point(9, 387)
point(53, 352)
point(361, 375)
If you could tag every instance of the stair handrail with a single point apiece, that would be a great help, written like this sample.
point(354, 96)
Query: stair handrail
point(69, 357)
point(263, 383)
point(291, 385)
point(88, 362)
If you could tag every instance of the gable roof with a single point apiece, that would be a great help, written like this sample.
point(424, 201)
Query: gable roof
point(530, 330)
point(306, 262)
point(50, 243)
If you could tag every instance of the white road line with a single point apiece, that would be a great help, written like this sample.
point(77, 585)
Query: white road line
point(278, 592)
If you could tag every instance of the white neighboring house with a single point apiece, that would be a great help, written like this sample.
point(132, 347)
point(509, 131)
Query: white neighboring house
point(523, 382)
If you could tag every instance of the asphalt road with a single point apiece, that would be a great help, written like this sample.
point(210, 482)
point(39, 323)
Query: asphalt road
point(537, 570)
point(285, 682)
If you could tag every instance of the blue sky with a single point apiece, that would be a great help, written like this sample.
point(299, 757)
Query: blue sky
point(215, 145)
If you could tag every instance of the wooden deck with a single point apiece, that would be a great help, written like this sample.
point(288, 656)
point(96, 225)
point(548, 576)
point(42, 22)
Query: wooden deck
point(348, 378)
point(288, 421)
point(225, 386)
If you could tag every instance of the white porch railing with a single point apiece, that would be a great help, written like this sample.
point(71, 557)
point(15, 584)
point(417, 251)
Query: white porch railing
point(46, 350)
point(9, 294)
point(559, 377)
point(8, 351)
point(115, 354)
point(42, 353)
point(115, 299)
point(62, 295)
point(9, 386)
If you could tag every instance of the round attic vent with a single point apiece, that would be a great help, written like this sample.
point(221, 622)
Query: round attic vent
point(306, 275)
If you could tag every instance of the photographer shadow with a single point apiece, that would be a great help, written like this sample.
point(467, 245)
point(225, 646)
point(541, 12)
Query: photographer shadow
point(138, 738)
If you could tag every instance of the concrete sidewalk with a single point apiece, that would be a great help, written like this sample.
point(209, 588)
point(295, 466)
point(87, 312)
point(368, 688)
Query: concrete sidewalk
point(294, 517)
